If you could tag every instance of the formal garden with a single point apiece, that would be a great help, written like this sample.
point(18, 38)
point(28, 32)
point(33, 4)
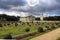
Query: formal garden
point(25, 30)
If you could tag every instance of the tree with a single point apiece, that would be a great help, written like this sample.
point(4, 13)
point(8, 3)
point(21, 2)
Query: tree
point(4, 17)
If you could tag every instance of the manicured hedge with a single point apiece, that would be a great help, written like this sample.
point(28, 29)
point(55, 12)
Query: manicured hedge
point(25, 35)
point(8, 36)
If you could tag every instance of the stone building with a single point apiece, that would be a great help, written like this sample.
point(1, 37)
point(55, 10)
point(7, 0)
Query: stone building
point(41, 18)
point(28, 18)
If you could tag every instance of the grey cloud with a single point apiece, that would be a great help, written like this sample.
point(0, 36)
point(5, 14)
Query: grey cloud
point(4, 4)
point(7, 4)
point(41, 7)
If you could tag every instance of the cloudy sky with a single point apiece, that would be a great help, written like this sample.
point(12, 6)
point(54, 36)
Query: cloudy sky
point(30, 7)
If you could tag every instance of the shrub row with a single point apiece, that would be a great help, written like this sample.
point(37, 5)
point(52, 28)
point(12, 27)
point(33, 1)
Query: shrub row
point(8, 36)
point(25, 35)
point(40, 29)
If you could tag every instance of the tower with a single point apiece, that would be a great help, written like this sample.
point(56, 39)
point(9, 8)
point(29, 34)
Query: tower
point(41, 17)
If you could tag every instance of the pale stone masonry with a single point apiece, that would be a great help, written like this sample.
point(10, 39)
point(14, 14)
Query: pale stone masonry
point(41, 18)
point(28, 18)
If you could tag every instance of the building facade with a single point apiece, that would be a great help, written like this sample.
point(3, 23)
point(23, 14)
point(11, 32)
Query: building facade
point(28, 18)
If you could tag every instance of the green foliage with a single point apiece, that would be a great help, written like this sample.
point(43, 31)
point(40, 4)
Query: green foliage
point(48, 27)
point(4, 24)
point(1, 25)
point(16, 24)
point(27, 29)
point(58, 38)
point(40, 29)
point(53, 27)
point(8, 24)
point(52, 18)
point(8, 36)
point(23, 29)
point(4, 17)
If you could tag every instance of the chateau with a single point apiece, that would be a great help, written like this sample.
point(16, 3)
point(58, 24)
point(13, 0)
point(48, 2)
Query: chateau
point(28, 18)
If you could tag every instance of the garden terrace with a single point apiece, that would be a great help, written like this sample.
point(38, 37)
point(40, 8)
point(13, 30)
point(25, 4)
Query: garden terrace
point(21, 28)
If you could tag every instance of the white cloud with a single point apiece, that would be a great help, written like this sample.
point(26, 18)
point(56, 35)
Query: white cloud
point(32, 2)
point(48, 2)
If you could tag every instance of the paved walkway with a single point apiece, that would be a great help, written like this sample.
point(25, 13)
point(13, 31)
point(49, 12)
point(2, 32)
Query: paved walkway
point(53, 35)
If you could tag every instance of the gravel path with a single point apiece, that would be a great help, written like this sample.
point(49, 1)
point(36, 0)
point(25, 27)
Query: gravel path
point(53, 35)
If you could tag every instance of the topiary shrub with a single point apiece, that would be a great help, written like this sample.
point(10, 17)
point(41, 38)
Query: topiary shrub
point(29, 25)
point(40, 29)
point(48, 27)
point(45, 29)
point(8, 24)
point(8, 36)
point(37, 22)
point(27, 29)
point(16, 24)
point(1, 25)
point(32, 21)
point(20, 21)
point(4, 24)
point(53, 27)
point(22, 24)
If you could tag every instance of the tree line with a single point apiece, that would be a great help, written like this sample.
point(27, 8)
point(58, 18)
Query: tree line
point(4, 17)
point(52, 18)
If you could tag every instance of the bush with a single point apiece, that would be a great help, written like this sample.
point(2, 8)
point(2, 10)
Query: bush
point(33, 33)
point(37, 22)
point(4, 24)
point(53, 27)
point(22, 24)
point(16, 24)
point(40, 29)
point(32, 21)
point(58, 38)
point(8, 36)
point(27, 29)
point(45, 29)
point(21, 36)
point(20, 21)
point(1, 25)
point(48, 27)
point(8, 24)
point(29, 25)
point(26, 35)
